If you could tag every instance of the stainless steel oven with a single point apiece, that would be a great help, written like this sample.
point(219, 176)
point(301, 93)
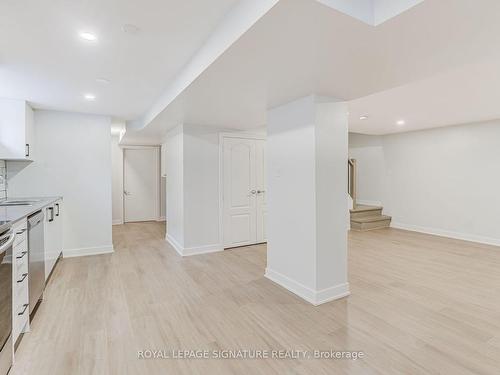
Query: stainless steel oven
point(6, 240)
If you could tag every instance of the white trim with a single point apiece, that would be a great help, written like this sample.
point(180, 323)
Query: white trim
point(221, 188)
point(332, 293)
point(223, 135)
point(138, 147)
point(315, 297)
point(243, 135)
point(161, 218)
point(215, 248)
point(85, 251)
point(118, 221)
point(447, 233)
point(368, 202)
point(190, 251)
point(177, 246)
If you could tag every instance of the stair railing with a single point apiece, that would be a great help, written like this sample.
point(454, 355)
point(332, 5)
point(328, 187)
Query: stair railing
point(351, 180)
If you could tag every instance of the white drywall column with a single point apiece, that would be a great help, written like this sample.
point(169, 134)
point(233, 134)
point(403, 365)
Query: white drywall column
point(175, 187)
point(192, 164)
point(307, 149)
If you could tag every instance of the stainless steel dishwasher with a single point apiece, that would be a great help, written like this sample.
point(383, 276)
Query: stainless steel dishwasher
point(36, 258)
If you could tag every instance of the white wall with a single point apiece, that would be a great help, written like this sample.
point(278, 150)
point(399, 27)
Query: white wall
point(192, 167)
point(201, 187)
point(291, 178)
point(368, 150)
point(193, 195)
point(307, 148)
point(175, 186)
point(73, 160)
point(443, 181)
point(117, 179)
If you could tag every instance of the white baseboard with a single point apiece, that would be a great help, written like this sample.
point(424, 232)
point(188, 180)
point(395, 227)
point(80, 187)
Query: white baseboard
point(215, 248)
point(118, 222)
point(161, 218)
point(315, 297)
point(99, 250)
point(447, 233)
point(177, 247)
point(197, 250)
point(368, 202)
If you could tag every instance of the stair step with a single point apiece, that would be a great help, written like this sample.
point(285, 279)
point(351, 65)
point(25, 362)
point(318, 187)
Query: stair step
point(371, 219)
point(371, 222)
point(363, 208)
point(365, 211)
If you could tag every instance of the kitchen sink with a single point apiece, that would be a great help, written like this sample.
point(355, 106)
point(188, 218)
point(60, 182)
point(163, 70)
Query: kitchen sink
point(18, 202)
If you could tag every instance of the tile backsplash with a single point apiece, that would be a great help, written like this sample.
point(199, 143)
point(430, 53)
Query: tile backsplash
point(3, 179)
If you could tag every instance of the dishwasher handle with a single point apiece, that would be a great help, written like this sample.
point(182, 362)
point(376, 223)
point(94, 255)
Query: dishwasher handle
point(35, 219)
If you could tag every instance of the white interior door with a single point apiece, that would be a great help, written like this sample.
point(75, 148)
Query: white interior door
point(243, 191)
point(140, 184)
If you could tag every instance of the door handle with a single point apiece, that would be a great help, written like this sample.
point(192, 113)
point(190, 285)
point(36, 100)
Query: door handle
point(253, 192)
point(58, 209)
point(126, 192)
point(260, 191)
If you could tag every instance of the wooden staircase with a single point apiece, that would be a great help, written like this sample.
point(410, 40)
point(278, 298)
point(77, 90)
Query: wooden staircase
point(363, 217)
point(368, 217)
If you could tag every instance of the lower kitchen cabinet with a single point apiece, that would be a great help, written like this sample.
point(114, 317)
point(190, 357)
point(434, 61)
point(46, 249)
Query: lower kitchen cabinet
point(20, 293)
point(53, 235)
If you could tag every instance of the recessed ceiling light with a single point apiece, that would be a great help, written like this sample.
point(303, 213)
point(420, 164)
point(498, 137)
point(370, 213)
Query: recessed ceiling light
point(130, 29)
point(89, 97)
point(363, 117)
point(400, 122)
point(103, 80)
point(88, 36)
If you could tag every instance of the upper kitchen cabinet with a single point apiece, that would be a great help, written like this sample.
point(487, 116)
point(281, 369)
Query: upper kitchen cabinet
point(16, 130)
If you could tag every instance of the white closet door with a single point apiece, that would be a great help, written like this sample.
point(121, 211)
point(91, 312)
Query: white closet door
point(140, 182)
point(239, 192)
point(261, 206)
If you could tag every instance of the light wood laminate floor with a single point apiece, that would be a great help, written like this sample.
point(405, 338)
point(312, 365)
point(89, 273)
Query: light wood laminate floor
point(419, 305)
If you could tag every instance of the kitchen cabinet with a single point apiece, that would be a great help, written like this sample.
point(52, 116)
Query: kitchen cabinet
point(17, 131)
point(20, 293)
point(53, 228)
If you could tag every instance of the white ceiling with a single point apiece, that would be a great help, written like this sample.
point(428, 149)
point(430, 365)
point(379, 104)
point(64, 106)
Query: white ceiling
point(43, 60)
point(301, 47)
point(466, 94)
point(432, 65)
point(373, 12)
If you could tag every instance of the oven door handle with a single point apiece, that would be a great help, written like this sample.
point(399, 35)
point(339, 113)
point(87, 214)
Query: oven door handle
point(6, 245)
